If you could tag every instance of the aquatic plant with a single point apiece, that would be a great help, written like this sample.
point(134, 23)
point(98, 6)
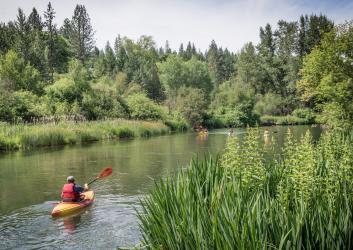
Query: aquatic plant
point(301, 199)
point(26, 136)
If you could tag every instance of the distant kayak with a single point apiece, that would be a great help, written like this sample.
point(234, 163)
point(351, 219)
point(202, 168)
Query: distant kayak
point(202, 133)
point(65, 208)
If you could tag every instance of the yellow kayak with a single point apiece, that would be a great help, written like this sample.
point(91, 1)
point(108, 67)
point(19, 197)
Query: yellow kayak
point(65, 208)
point(203, 133)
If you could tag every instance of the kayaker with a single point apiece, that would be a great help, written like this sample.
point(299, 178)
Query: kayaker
point(71, 191)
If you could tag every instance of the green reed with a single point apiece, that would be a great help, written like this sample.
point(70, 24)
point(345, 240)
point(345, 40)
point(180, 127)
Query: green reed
point(26, 136)
point(301, 199)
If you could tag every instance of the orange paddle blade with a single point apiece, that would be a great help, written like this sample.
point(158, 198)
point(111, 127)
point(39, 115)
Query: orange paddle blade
point(106, 172)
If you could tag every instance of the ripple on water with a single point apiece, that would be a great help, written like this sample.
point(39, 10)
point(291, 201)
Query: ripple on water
point(110, 222)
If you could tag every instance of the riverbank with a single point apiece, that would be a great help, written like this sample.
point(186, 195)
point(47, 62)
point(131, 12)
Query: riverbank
point(28, 136)
point(270, 120)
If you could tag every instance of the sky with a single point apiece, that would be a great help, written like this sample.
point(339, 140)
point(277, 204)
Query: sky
point(231, 23)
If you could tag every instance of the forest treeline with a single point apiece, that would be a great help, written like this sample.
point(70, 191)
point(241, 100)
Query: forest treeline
point(302, 70)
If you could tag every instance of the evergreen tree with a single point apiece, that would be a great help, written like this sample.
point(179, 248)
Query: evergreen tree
point(268, 69)
point(66, 29)
point(7, 37)
point(188, 52)
point(49, 16)
point(81, 35)
point(248, 70)
point(167, 49)
point(120, 54)
point(110, 60)
point(22, 35)
point(34, 20)
point(214, 66)
point(181, 52)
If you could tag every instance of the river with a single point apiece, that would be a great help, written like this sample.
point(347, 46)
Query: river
point(31, 181)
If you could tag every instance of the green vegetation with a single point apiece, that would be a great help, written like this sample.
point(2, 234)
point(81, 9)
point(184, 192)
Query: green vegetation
point(300, 199)
point(39, 135)
point(49, 70)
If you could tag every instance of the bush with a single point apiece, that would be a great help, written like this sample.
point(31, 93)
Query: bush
point(143, 108)
point(177, 125)
point(305, 113)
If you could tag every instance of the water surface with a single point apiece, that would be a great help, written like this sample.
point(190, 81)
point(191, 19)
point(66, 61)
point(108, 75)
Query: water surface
point(30, 183)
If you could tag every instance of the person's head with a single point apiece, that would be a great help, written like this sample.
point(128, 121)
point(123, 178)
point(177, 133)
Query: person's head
point(70, 179)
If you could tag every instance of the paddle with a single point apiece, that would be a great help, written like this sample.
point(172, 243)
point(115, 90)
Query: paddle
point(104, 173)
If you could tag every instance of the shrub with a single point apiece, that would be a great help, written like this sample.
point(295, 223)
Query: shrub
point(177, 125)
point(305, 113)
point(143, 108)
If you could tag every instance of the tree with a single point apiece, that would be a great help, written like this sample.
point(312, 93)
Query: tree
point(120, 54)
point(110, 60)
point(327, 77)
point(22, 35)
point(267, 64)
point(167, 49)
point(80, 33)
point(197, 76)
point(191, 104)
point(214, 66)
point(233, 104)
point(7, 37)
point(248, 69)
point(181, 52)
point(49, 16)
point(288, 63)
point(311, 30)
point(143, 108)
point(16, 74)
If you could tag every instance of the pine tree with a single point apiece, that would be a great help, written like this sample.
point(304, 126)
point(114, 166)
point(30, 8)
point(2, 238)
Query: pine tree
point(188, 52)
point(110, 60)
point(181, 52)
point(22, 35)
point(120, 54)
point(49, 16)
point(268, 69)
point(81, 36)
point(167, 49)
point(214, 66)
point(34, 20)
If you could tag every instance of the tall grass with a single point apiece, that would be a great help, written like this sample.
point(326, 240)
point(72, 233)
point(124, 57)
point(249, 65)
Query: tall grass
point(25, 136)
point(299, 200)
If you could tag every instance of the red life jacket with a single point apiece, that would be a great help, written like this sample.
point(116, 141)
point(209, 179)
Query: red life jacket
point(68, 192)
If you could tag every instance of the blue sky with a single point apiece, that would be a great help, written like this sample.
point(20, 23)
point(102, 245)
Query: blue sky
point(230, 23)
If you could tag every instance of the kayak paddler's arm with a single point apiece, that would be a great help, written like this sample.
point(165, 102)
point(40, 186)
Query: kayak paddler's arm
point(86, 187)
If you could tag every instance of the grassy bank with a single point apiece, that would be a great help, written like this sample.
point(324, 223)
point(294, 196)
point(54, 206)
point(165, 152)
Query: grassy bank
point(269, 120)
point(22, 136)
point(300, 200)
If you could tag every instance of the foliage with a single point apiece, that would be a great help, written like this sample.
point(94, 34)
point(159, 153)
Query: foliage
point(142, 108)
point(269, 104)
point(327, 77)
point(103, 102)
point(70, 76)
point(16, 74)
point(233, 104)
point(241, 201)
point(191, 104)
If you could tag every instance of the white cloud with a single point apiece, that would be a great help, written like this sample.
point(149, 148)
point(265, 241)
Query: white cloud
point(230, 23)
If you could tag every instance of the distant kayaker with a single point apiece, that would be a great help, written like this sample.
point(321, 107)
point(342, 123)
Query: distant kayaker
point(71, 192)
